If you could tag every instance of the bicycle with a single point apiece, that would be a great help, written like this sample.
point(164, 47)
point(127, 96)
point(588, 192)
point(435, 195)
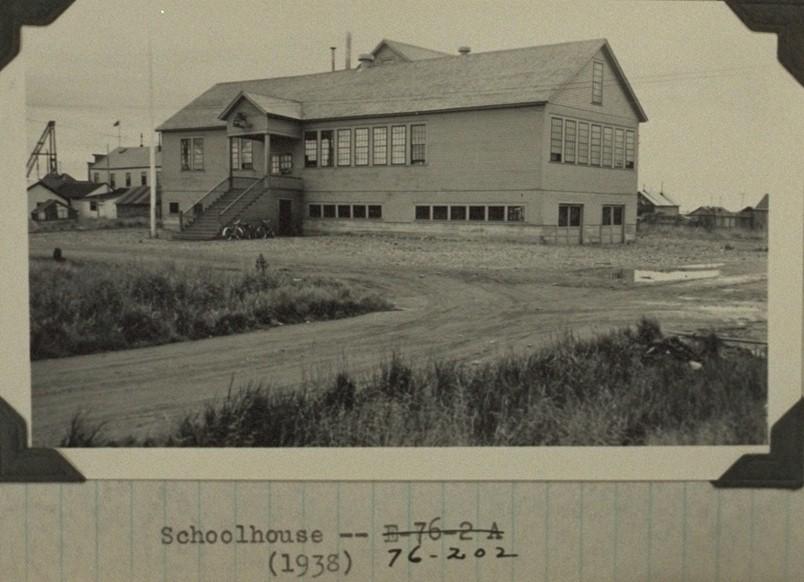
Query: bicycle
point(263, 230)
point(234, 231)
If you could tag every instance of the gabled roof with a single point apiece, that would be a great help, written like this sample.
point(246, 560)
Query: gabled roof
point(265, 104)
point(762, 204)
point(529, 75)
point(407, 52)
point(657, 198)
point(125, 157)
point(107, 195)
point(67, 187)
point(138, 195)
point(712, 210)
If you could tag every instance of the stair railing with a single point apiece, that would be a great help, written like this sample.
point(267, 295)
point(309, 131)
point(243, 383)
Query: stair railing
point(260, 185)
point(188, 216)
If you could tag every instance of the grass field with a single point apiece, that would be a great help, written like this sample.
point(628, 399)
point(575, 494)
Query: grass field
point(628, 387)
point(88, 307)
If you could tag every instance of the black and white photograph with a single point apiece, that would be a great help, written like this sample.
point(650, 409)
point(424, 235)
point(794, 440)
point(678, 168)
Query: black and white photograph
point(384, 224)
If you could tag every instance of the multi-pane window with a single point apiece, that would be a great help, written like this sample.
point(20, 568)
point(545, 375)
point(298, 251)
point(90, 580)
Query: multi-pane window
point(329, 211)
point(612, 216)
point(619, 148)
point(583, 142)
point(143, 178)
point(380, 142)
point(398, 144)
point(629, 148)
point(375, 211)
point(281, 163)
point(344, 147)
point(597, 82)
point(496, 213)
point(570, 141)
point(327, 148)
point(310, 149)
point(457, 212)
point(344, 211)
point(607, 146)
point(242, 154)
point(422, 213)
point(556, 139)
point(358, 211)
point(516, 214)
point(569, 215)
point(192, 153)
point(440, 213)
point(477, 213)
point(128, 179)
point(417, 144)
point(594, 150)
point(361, 146)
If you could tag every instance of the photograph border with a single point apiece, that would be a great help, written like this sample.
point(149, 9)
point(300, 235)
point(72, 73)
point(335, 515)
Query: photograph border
point(782, 466)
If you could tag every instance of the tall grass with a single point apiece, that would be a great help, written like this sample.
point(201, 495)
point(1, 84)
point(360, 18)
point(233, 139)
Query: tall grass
point(81, 308)
point(628, 387)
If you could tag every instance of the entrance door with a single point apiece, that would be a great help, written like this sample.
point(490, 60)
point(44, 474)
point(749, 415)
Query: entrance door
point(285, 226)
point(570, 223)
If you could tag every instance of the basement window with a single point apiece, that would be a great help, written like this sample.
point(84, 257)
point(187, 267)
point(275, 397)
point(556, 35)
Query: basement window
point(516, 214)
point(375, 211)
point(329, 211)
point(497, 213)
point(344, 211)
point(457, 212)
point(422, 213)
point(477, 213)
point(173, 208)
point(314, 210)
point(440, 213)
point(358, 211)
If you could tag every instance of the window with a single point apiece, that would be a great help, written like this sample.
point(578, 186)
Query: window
point(570, 142)
point(497, 213)
point(314, 210)
point(112, 180)
point(583, 143)
point(344, 147)
point(128, 179)
point(597, 83)
point(556, 139)
point(310, 149)
point(358, 211)
point(422, 213)
point(457, 212)
point(569, 215)
point(619, 148)
point(375, 211)
point(96, 177)
point(361, 146)
point(440, 213)
point(516, 214)
point(344, 211)
point(380, 153)
point(629, 148)
point(417, 144)
point(173, 207)
point(329, 211)
point(281, 163)
point(93, 206)
point(398, 147)
point(143, 178)
point(327, 148)
point(607, 143)
point(477, 213)
point(242, 154)
point(192, 153)
point(594, 152)
point(612, 216)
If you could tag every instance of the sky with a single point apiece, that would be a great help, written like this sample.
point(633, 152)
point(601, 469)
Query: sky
point(725, 120)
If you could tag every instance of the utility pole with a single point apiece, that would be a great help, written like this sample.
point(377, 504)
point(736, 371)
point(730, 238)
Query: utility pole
point(151, 144)
point(332, 53)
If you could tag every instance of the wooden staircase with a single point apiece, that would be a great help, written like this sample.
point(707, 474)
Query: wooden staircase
point(208, 221)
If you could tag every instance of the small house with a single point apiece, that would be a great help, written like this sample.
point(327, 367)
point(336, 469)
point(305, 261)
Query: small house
point(656, 203)
point(713, 217)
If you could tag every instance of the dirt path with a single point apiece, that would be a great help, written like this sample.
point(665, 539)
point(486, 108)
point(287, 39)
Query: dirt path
point(470, 314)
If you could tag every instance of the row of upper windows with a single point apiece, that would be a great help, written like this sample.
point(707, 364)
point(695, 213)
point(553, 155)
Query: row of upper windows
point(96, 177)
point(589, 144)
point(344, 211)
point(364, 146)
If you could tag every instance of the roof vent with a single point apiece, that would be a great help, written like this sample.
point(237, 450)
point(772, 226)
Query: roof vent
point(464, 50)
point(366, 60)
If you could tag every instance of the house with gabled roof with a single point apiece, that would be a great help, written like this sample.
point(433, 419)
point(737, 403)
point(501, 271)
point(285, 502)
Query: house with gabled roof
point(64, 189)
point(537, 142)
point(124, 167)
point(655, 203)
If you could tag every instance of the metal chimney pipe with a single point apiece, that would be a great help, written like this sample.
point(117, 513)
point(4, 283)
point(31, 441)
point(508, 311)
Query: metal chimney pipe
point(348, 50)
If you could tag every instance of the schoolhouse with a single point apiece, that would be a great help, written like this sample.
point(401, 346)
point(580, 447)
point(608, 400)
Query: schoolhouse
point(538, 142)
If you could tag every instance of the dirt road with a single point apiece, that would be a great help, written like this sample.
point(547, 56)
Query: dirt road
point(469, 300)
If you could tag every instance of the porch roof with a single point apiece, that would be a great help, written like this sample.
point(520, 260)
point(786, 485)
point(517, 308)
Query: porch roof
point(267, 105)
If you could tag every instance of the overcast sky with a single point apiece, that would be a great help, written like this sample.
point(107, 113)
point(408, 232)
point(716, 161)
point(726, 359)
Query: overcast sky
point(726, 121)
